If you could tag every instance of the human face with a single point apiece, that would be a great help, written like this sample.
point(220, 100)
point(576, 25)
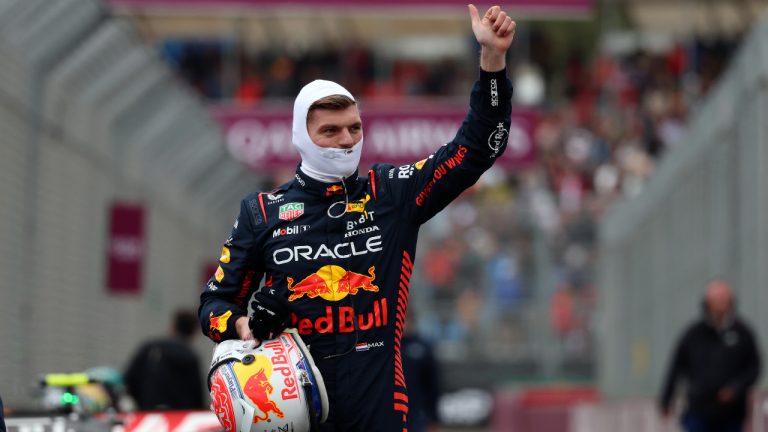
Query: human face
point(719, 298)
point(335, 128)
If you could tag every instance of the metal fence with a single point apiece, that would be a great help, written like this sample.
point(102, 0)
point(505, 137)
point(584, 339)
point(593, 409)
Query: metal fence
point(703, 215)
point(90, 116)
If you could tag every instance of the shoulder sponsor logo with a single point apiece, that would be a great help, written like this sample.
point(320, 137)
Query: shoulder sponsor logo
point(340, 250)
point(237, 222)
point(289, 230)
point(420, 164)
point(365, 346)
point(498, 138)
point(225, 255)
point(274, 198)
point(228, 243)
point(212, 286)
point(291, 211)
point(391, 173)
point(219, 275)
point(301, 181)
point(405, 171)
point(219, 323)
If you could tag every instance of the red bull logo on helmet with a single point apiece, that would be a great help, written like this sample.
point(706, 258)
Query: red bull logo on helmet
point(258, 388)
point(332, 283)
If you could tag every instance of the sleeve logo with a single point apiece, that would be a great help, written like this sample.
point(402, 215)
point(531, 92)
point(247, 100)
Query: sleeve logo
point(219, 275)
point(225, 257)
point(219, 323)
point(497, 139)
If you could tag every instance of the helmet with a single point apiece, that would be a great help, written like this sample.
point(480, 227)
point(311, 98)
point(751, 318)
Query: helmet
point(267, 386)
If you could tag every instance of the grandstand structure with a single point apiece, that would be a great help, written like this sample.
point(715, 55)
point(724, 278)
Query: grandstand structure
point(703, 215)
point(91, 117)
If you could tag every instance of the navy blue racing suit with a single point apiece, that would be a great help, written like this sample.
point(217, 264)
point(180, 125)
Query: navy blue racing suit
point(342, 254)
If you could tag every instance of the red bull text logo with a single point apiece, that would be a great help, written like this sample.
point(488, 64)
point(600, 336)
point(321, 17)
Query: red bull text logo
point(343, 319)
point(332, 283)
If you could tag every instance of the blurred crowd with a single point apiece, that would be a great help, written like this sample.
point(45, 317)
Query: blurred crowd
point(513, 261)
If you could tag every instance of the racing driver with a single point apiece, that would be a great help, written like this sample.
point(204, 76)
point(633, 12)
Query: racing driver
point(335, 250)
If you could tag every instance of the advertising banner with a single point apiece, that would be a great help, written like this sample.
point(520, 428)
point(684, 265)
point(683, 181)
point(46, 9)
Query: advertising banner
point(125, 253)
point(554, 7)
point(394, 134)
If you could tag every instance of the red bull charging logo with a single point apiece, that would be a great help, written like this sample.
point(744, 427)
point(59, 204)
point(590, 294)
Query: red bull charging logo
point(257, 387)
point(332, 283)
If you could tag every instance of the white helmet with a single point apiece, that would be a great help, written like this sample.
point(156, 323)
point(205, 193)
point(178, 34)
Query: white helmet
point(265, 387)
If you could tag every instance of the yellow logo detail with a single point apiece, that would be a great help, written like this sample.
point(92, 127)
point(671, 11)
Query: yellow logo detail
point(224, 255)
point(358, 206)
point(219, 274)
point(219, 323)
point(420, 164)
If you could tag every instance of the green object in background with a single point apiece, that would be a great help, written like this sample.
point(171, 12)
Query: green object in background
point(69, 399)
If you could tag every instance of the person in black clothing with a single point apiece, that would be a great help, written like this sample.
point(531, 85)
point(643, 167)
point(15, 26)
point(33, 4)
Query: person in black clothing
point(165, 374)
point(422, 376)
point(2, 416)
point(336, 249)
point(719, 360)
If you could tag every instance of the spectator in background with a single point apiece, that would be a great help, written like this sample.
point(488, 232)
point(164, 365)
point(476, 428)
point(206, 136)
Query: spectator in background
point(718, 357)
point(422, 376)
point(165, 374)
point(2, 416)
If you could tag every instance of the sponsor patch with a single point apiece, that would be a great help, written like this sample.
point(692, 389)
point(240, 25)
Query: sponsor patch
point(494, 93)
point(219, 275)
point(332, 283)
point(291, 211)
point(498, 138)
point(334, 190)
point(443, 169)
point(225, 257)
point(336, 251)
point(289, 230)
point(365, 346)
point(364, 230)
point(405, 171)
point(219, 323)
point(358, 206)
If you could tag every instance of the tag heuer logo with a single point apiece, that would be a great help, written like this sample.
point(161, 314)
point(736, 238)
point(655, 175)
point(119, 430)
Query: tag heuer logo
point(291, 211)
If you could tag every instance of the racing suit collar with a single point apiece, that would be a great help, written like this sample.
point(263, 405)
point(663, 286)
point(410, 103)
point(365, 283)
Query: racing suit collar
point(324, 190)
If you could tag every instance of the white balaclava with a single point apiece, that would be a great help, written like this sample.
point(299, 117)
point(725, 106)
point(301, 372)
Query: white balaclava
point(324, 164)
